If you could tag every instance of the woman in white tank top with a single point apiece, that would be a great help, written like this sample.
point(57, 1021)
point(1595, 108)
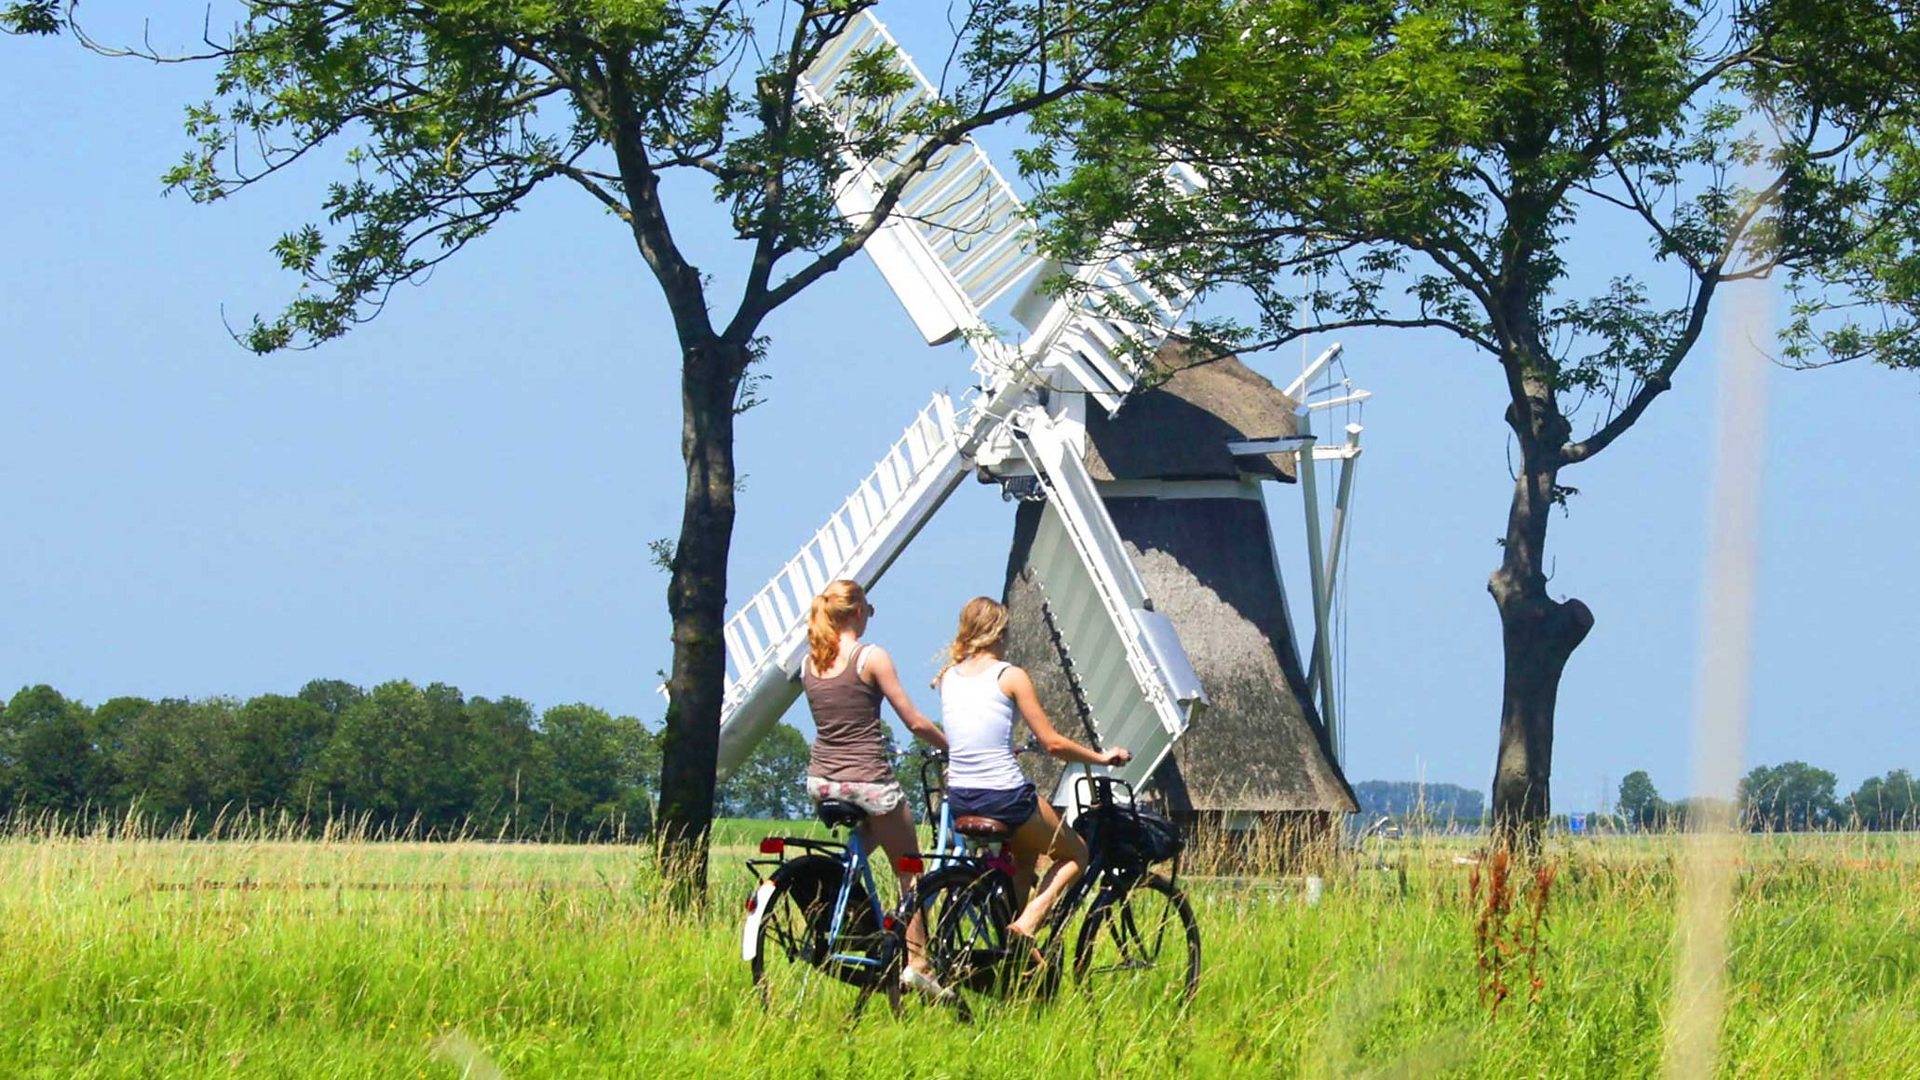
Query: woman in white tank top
point(979, 695)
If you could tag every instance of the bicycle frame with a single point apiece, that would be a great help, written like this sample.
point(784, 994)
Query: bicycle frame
point(855, 868)
point(947, 845)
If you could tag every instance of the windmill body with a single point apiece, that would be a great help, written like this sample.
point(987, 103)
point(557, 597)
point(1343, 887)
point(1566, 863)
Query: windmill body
point(954, 245)
point(1193, 515)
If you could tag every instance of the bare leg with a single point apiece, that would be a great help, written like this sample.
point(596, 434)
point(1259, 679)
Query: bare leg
point(1045, 832)
point(893, 831)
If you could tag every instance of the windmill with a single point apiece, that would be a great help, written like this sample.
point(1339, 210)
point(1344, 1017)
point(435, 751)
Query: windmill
point(955, 245)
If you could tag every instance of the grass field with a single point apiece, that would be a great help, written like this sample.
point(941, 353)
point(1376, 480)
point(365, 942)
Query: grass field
point(145, 958)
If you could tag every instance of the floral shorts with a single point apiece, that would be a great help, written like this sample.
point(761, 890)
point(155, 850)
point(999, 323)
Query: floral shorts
point(875, 798)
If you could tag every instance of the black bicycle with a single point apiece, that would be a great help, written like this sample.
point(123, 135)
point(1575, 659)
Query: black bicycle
point(1139, 937)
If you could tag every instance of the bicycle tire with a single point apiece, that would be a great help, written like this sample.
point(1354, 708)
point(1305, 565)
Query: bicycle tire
point(967, 910)
point(1125, 939)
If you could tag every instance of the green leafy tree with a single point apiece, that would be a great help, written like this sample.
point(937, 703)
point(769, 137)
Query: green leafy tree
point(450, 116)
point(32, 17)
point(106, 727)
point(1427, 165)
point(177, 760)
point(403, 756)
point(912, 782)
point(1790, 797)
point(450, 795)
point(1884, 802)
point(640, 800)
point(593, 764)
point(1640, 803)
point(275, 752)
point(772, 782)
point(142, 759)
point(47, 759)
point(502, 764)
point(334, 696)
point(395, 757)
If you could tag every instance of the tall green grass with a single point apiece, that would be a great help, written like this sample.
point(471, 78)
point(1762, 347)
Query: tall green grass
point(123, 956)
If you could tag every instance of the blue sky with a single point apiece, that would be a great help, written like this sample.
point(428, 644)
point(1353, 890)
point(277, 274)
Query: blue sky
point(463, 491)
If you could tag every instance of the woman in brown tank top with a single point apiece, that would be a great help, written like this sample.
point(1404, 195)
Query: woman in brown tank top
point(845, 680)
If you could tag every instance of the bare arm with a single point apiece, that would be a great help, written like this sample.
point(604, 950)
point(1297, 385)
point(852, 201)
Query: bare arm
point(878, 671)
point(1016, 685)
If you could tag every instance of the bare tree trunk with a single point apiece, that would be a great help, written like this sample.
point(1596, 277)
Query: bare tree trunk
point(1538, 635)
point(697, 600)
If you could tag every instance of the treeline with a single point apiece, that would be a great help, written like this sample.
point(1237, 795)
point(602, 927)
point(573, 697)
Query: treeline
point(399, 759)
point(1406, 799)
point(1790, 797)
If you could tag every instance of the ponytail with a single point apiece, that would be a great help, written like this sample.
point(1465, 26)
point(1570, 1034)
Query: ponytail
point(833, 611)
point(983, 624)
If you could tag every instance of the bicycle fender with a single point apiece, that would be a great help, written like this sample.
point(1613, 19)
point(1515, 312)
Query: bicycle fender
point(820, 865)
point(750, 937)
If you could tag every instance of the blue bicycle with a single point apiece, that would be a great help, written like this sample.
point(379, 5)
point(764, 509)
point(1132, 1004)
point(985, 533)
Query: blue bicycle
point(815, 913)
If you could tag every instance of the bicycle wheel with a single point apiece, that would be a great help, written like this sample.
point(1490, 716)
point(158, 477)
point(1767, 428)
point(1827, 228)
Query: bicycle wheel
point(967, 911)
point(786, 938)
point(1141, 942)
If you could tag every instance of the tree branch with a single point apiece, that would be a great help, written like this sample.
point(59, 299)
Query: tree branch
point(679, 279)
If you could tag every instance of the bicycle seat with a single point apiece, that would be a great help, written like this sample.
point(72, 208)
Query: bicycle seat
point(838, 813)
point(976, 827)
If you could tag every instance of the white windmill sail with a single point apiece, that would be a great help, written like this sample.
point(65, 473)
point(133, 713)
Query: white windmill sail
point(1095, 334)
point(956, 240)
point(1134, 679)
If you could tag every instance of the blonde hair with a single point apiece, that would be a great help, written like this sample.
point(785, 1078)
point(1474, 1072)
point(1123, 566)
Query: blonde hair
point(833, 611)
point(983, 624)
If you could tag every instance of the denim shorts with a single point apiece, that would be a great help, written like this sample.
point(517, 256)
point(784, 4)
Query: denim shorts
point(1013, 806)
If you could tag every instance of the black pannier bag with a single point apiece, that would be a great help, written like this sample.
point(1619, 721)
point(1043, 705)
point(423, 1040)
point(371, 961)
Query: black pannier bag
point(1159, 838)
point(1136, 835)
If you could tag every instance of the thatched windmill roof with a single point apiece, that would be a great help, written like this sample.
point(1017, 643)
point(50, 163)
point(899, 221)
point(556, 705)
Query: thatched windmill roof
point(1179, 429)
point(1208, 563)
